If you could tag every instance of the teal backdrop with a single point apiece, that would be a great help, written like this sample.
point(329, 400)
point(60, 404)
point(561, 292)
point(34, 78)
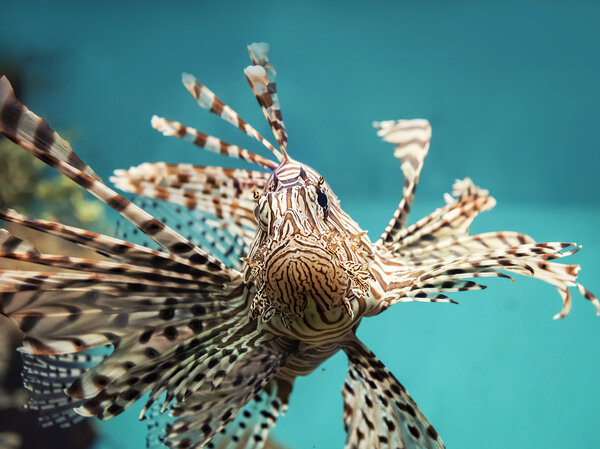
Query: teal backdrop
point(511, 90)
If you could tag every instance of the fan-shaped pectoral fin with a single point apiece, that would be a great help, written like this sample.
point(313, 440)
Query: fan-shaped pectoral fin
point(378, 411)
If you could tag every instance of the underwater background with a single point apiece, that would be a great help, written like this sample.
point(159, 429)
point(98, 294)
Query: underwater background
point(511, 90)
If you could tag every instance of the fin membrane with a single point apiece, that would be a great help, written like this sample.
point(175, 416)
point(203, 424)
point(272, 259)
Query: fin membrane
point(249, 429)
point(378, 411)
point(411, 143)
point(48, 376)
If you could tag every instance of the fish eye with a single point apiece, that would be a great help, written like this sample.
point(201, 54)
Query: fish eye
point(322, 199)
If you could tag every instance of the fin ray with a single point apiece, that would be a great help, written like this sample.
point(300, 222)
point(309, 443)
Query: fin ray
point(411, 139)
point(208, 100)
point(378, 411)
point(261, 77)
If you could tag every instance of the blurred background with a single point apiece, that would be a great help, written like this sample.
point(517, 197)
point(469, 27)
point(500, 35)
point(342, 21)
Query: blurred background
point(511, 90)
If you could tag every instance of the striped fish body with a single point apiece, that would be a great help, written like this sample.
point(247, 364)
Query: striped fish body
point(272, 279)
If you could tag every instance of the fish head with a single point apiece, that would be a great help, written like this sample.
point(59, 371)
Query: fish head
point(307, 251)
point(296, 202)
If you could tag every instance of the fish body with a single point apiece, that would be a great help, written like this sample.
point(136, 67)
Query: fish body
point(273, 279)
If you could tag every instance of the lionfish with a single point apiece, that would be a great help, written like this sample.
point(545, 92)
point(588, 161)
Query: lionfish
point(277, 280)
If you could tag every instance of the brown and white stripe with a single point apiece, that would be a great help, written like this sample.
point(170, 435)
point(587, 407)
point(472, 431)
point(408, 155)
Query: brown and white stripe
point(161, 234)
point(210, 143)
point(269, 100)
point(225, 196)
point(31, 132)
point(14, 248)
point(257, 78)
point(378, 411)
point(208, 100)
point(9, 244)
point(218, 180)
point(148, 304)
point(411, 142)
point(265, 90)
point(490, 256)
point(452, 220)
point(111, 247)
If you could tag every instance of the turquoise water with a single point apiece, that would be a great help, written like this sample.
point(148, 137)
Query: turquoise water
point(511, 91)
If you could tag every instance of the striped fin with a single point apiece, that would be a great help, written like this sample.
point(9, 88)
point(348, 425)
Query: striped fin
point(164, 236)
point(210, 143)
point(218, 202)
point(532, 259)
point(31, 132)
point(144, 319)
point(250, 428)
point(261, 77)
point(432, 251)
point(228, 241)
point(203, 414)
point(236, 183)
point(225, 210)
point(378, 411)
point(223, 207)
point(441, 255)
point(9, 244)
point(150, 323)
point(195, 186)
point(139, 273)
point(208, 100)
point(47, 377)
point(450, 221)
point(14, 248)
point(107, 246)
point(411, 139)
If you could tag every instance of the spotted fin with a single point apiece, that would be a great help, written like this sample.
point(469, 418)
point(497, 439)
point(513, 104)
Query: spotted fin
point(225, 240)
point(378, 411)
point(249, 429)
point(158, 309)
point(411, 139)
point(225, 196)
point(48, 376)
point(203, 414)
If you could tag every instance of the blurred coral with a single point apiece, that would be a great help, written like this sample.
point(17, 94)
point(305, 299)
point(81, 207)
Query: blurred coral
point(29, 187)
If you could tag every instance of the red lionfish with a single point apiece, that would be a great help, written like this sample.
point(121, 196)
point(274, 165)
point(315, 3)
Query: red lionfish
point(216, 332)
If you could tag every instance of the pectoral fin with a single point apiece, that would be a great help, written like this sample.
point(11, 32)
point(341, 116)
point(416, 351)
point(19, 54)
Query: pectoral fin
point(378, 411)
